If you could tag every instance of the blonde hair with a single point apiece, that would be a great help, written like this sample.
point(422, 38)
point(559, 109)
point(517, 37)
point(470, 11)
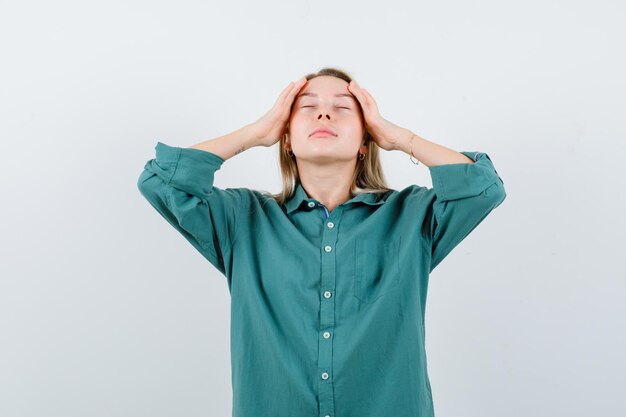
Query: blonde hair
point(368, 176)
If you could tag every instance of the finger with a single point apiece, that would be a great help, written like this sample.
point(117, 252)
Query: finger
point(294, 89)
point(297, 87)
point(286, 90)
point(369, 99)
point(285, 93)
point(369, 96)
point(291, 98)
point(358, 92)
point(354, 89)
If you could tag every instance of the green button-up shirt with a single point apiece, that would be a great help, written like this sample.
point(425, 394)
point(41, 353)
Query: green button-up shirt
point(327, 308)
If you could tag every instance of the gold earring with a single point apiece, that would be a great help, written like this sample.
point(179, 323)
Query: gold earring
point(289, 153)
point(361, 156)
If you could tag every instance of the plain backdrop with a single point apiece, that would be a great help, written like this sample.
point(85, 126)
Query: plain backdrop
point(105, 310)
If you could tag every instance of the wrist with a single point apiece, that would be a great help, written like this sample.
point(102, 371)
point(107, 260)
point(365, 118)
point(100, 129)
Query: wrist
point(406, 141)
point(250, 132)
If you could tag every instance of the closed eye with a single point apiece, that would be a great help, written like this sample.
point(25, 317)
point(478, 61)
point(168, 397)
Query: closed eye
point(347, 108)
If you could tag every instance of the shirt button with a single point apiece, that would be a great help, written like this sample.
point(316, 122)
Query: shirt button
point(330, 225)
point(324, 375)
point(326, 335)
point(327, 294)
point(328, 248)
point(311, 204)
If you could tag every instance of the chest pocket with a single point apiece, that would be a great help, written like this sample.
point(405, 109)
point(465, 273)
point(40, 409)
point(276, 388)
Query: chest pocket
point(377, 268)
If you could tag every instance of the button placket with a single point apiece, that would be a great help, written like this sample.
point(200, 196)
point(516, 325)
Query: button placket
point(327, 311)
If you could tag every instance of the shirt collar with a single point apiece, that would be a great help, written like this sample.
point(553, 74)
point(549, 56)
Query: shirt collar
point(300, 196)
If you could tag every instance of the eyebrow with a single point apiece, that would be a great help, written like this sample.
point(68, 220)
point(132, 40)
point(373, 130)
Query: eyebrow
point(336, 95)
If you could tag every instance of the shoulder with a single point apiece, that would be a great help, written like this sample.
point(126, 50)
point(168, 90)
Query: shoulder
point(411, 198)
point(412, 192)
point(252, 198)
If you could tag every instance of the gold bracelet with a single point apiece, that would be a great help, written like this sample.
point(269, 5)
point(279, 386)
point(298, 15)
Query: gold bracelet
point(411, 149)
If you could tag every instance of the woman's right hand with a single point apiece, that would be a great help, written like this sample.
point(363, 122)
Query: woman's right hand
point(273, 125)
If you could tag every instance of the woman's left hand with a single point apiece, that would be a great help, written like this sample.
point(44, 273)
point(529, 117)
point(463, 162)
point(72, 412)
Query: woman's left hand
point(386, 134)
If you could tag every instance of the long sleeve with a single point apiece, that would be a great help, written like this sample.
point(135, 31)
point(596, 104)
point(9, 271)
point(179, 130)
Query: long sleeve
point(178, 183)
point(465, 195)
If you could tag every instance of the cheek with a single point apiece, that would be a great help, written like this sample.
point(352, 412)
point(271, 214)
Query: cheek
point(297, 127)
point(295, 123)
point(353, 125)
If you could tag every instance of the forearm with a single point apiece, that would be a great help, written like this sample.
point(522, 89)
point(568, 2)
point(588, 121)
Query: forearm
point(231, 144)
point(430, 153)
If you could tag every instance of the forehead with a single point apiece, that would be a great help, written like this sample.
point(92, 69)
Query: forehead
point(326, 86)
point(315, 95)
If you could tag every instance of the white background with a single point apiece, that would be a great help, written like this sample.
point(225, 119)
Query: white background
point(106, 311)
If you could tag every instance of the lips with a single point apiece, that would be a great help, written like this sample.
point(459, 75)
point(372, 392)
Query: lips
point(323, 130)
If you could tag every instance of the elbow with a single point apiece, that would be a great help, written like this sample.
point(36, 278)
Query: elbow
point(141, 181)
point(496, 193)
point(149, 185)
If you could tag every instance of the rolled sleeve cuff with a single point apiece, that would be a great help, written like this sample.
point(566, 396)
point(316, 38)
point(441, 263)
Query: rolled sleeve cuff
point(189, 169)
point(454, 181)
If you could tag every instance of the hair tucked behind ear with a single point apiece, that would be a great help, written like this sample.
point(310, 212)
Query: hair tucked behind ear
point(368, 176)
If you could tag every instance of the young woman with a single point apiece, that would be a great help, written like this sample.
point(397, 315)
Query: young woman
point(328, 278)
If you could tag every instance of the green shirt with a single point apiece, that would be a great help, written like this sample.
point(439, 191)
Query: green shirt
point(327, 309)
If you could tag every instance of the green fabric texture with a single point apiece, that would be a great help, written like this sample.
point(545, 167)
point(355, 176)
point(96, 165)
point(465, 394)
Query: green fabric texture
point(327, 308)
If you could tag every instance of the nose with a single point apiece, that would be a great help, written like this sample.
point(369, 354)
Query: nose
point(322, 115)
